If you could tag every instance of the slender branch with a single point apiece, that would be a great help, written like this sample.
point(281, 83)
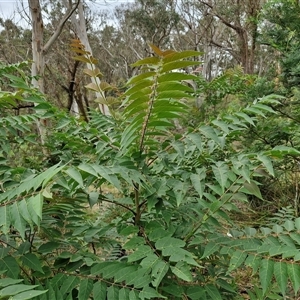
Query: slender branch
point(120, 204)
point(23, 106)
point(60, 26)
point(137, 204)
point(7, 244)
point(238, 29)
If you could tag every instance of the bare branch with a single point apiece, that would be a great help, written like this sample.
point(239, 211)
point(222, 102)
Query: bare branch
point(60, 26)
point(238, 29)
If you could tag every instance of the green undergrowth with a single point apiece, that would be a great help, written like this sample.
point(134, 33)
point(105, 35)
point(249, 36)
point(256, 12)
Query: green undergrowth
point(162, 202)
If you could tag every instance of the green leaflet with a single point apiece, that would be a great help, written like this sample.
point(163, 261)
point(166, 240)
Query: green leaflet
point(150, 293)
point(267, 163)
point(196, 292)
point(159, 270)
point(28, 295)
point(174, 56)
point(99, 290)
point(236, 260)
point(175, 76)
point(124, 293)
point(16, 219)
point(140, 77)
point(69, 284)
point(10, 265)
point(31, 260)
point(252, 189)
point(113, 293)
point(141, 252)
point(4, 219)
point(9, 281)
point(74, 174)
point(182, 271)
point(281, 276)
point(266, 271)
point(293, 271)
point(220, 171)
point(210, 248)
point(213, 292)
point(85, 289)
point(177, 65)
point(15, 289)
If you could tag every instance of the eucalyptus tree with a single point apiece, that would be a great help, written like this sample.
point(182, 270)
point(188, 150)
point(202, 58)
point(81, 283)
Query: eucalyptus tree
point(281, 32)
point(40, 48)
point(231, 26)
point(153, 21)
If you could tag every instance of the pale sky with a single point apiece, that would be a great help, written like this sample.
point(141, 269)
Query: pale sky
point(8, 8)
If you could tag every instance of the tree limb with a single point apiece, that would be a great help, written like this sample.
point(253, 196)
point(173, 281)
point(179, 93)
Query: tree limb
point(60, 26)
point(238, 29)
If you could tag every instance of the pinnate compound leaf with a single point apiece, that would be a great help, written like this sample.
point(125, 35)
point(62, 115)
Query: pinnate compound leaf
point(266, 273)
point(85, 289)
point(182, 271)
point(281, 276)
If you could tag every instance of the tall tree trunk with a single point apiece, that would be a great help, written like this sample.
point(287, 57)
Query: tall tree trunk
point(81, 32)
point(39, 49)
